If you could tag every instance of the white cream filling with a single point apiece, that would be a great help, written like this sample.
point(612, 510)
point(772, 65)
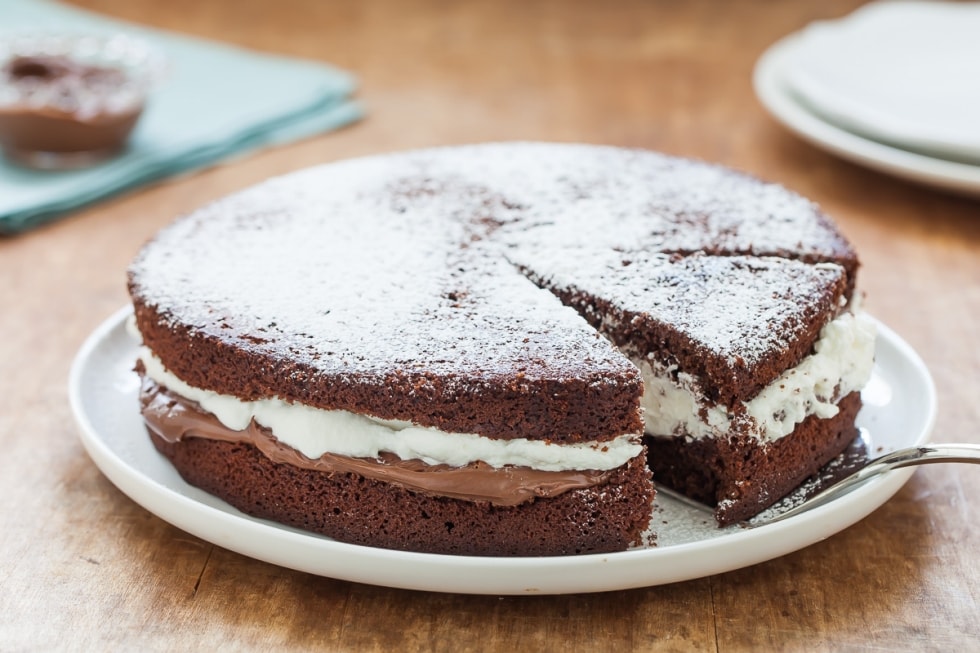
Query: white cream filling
point(314, 432)
point(841, 363)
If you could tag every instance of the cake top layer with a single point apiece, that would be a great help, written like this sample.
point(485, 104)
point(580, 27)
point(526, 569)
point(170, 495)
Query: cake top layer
point(388, 284)
point(735, 323)
point(361, 288)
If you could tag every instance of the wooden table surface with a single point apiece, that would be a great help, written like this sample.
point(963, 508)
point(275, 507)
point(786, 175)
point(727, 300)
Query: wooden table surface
point(82, 566)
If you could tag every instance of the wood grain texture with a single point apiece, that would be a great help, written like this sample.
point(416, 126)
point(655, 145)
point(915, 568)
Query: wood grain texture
point(84, 568)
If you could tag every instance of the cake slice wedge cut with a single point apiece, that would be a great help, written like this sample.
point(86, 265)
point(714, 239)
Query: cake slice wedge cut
point(751, 365)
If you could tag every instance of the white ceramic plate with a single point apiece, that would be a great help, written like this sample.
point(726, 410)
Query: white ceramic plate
point(906, 73)
point(899, 411)
point(775, 95)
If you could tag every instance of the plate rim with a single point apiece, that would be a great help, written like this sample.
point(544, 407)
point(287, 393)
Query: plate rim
point(819, 40)
point(641, 567)
point(771, 91)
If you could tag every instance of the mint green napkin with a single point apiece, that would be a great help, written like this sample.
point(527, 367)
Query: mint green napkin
point(216, 101)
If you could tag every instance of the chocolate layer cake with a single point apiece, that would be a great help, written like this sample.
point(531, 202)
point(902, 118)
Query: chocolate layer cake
point(457, 350)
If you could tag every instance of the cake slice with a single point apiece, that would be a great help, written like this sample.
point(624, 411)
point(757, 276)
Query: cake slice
point(751, 365)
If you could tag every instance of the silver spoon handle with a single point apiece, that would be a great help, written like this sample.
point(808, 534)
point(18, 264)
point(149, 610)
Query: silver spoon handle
point(924, 455)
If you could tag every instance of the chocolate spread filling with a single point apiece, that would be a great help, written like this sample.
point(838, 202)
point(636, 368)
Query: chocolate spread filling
point(174, 418)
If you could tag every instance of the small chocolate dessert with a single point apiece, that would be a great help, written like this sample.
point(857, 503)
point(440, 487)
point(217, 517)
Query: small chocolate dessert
point(60, 111)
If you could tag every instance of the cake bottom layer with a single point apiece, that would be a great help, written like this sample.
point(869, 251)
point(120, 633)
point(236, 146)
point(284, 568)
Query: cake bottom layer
point(740, 476)
point(357, 510)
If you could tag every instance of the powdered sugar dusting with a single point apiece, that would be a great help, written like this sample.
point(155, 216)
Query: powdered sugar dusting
point(405, 260)
point(735, 307)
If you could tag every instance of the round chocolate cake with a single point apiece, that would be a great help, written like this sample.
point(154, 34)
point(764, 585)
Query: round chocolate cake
point(459, 350)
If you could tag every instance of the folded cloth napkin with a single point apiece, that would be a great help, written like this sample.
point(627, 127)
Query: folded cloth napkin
point(215, 101)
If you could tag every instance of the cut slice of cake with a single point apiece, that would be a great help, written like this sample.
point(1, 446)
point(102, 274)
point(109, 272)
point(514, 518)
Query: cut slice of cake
point(751, 365)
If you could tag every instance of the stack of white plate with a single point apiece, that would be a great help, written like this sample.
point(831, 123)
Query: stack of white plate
point(894, 86)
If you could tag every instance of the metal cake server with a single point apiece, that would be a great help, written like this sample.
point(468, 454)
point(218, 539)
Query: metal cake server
point(908, 457)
